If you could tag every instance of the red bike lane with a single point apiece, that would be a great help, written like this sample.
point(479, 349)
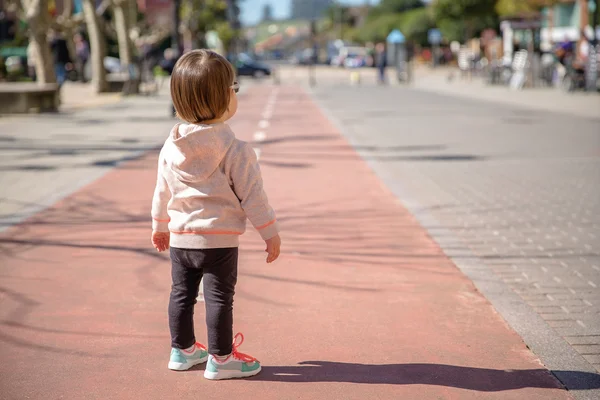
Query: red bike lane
point(361, 305)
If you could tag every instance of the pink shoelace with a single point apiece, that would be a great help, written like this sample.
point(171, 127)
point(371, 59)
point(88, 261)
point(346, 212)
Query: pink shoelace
point(201, 346)
point(236, 354)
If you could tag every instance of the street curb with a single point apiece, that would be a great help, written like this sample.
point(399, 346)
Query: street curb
point(553, 351)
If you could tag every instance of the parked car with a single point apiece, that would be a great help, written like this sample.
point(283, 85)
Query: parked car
point(350, 57)
point(303, 57)
point(247, 66)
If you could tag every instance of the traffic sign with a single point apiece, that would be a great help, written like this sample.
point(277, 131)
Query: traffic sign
point(434, 36)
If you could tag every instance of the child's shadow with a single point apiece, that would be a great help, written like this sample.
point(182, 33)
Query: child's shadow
point(479, 379)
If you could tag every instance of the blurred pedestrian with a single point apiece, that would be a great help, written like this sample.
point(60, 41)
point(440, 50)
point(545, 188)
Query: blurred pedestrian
point(167, 64)
point(208, 184)
point(381, 61)
point(60, 55)
point(82, 53)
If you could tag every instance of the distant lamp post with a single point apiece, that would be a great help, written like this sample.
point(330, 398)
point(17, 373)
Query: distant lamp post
point(592, 70)
point(593, 20)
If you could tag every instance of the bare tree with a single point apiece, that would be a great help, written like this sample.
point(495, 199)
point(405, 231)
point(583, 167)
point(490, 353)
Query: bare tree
point(121, 11)
point(35, 13)
point(97, 46)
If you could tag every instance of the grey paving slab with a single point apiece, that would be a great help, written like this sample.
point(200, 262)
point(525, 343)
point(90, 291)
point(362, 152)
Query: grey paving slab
point(511, 193)
point(46, 157)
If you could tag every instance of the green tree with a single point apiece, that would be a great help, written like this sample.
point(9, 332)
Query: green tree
point(463, 19)
point(516, 7)
point(200, 16)
point(338, 21)
point(398, 6)
point(415, 25)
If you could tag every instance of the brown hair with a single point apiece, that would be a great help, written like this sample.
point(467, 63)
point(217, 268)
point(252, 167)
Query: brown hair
point(200, 86)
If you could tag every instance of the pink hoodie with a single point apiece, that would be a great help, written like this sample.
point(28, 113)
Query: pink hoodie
point(208, 183)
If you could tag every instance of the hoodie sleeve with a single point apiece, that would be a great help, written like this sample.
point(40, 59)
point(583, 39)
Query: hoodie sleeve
point(162, 195)
point(248, 187)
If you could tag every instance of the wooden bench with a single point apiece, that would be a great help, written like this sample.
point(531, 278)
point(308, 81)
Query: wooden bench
point(27, 97)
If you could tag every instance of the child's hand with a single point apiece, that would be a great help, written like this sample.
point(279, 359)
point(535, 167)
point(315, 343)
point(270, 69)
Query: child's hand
point(273, 246)
point(160, 240)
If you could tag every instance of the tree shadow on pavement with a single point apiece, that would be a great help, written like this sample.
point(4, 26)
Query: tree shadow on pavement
point(470, 378)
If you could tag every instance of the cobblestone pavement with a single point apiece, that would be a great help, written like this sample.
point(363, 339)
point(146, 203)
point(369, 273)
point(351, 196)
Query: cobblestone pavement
point(510, 191)
point(448, 81)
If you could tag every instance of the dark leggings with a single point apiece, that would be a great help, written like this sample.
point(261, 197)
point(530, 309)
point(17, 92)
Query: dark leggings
point(217, 268)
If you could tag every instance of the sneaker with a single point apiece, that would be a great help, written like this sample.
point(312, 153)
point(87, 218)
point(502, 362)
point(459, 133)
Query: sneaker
point(182, 360)
point(237, 365)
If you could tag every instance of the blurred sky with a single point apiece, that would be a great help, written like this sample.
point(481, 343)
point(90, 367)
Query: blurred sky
point(251, 10)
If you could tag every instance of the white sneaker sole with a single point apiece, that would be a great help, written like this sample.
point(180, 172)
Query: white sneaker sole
point(228, 374)
point(176, 366)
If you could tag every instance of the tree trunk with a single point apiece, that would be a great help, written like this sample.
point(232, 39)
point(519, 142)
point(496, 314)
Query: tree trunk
point(38, 21)
point(44, 66)
point(122, 27)
point(132, 14)
point(69, 28)
point(97, 47)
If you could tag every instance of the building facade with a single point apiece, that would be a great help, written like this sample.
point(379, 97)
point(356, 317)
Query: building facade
point(566, 20)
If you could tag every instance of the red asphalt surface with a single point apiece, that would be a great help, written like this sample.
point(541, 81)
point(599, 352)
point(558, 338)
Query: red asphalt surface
point(361, 305)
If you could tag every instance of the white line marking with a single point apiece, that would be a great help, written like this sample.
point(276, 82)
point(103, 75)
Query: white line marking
point(592, 284)
point(588, 303)
point(263, 124)
point(549, 297)
point(581, 323)
point(257, 152)
point(557, 279)
point(259, 136)
point(565, 309)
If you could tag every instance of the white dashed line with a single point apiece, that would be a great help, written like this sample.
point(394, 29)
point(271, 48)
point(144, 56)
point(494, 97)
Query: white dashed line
point(259, 136)
point(592, 284)
point(549, 297)
point(565, 309)
point(557, 279)
point(588, 303)
point(263, 124)
point(578, 273)
point(581, 323)
point(544, 269)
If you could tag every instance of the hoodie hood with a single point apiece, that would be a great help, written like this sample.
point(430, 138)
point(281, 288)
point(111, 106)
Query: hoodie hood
point(194, 152)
